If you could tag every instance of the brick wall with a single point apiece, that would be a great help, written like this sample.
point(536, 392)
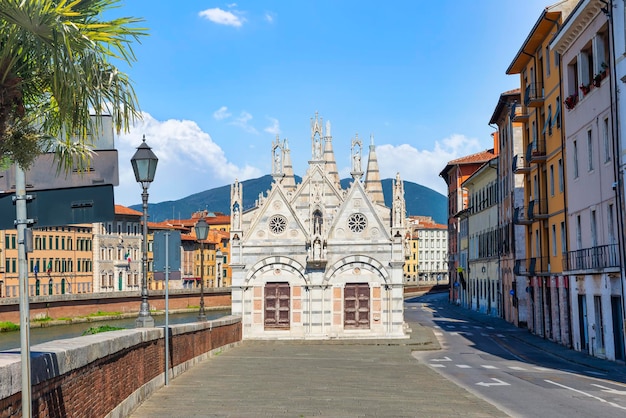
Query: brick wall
point(112, 371)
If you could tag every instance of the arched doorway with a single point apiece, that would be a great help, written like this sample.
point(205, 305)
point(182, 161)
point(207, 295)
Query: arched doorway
point(119, 281)
point(63, 286)
point(37, 287)
point(50, 287)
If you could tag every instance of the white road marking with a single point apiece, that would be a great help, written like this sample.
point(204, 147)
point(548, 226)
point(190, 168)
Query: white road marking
point(613, 404)
point(610, 390)
point(442, 359)
point(498, 382)
point(489, 366)
point(438, 365)
point(517, 368)
point(463, 366)
point(542, 369)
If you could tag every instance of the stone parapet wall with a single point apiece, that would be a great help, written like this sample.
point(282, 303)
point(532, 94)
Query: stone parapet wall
point(111, 373)
point(75, 305)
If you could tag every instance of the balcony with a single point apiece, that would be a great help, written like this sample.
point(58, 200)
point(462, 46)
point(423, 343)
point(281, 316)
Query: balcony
point(536, 152)
point(520, 215)
point(592, 259)
point(536, 266)
point(539, 209)
point(520, 165)
point(519, 113)
point(533, 95)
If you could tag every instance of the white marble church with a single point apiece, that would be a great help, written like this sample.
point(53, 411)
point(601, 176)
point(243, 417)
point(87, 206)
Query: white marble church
point(313, 260)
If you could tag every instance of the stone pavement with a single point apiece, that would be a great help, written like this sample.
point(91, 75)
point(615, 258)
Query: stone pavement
point(336, 378)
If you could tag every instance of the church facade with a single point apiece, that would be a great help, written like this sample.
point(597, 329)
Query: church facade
point(316, 261)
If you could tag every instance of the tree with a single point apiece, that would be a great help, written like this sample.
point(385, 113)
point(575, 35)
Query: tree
point(56, 71)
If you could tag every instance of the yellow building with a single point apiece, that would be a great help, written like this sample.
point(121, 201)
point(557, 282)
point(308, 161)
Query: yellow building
point(61, 261)
point(543, 166)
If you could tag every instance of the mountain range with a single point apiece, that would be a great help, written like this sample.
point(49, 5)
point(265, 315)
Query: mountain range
point(420, 200)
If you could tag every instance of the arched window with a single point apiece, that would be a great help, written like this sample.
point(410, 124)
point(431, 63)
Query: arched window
point(318, 221)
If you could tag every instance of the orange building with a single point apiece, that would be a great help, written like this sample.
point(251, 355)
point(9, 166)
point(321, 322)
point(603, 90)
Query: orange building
point(61, 261)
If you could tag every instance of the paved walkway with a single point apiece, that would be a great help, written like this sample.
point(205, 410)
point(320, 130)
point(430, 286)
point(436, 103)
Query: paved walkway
point(373, 378)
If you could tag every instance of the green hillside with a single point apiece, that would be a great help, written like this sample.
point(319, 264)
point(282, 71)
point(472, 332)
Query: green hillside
point(420, 200)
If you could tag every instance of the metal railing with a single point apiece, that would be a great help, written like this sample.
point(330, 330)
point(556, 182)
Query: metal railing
point(594, 258)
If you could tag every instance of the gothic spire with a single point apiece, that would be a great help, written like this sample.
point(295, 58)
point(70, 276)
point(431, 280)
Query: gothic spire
point(289, 181)
point(372, 177)
point(329, 156)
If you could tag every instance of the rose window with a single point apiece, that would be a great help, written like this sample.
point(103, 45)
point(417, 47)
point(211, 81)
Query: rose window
point(278, 224)
point(357, 222)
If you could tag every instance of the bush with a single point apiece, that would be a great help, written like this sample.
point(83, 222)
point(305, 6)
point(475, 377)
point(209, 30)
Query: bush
point(102, 328)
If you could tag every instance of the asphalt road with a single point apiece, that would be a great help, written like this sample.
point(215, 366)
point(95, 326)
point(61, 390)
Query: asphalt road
point(489, 358)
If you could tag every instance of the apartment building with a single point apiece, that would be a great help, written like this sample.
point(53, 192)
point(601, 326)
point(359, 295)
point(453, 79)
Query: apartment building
point(426, 252)
point(543, 164)
point(512, 237)
point(117, 252)
point(484, 286)
point(61, 261)
point(593, 260)
point(454, 174)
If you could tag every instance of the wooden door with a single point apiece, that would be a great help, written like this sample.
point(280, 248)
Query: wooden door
point(277, 305)
point(357, 306)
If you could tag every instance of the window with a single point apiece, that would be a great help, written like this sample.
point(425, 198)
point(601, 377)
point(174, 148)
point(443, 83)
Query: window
point(585, 69)
point(589, 151)
point(605, 138)
point(553, 239)
point(551, 179)
point(561, 182)
point(611, 224)
point(557, 113)
point(575, 162)
point(594, 232)
point(572, 78)
point(357, 222)
point(547, 61)
point(563, 241)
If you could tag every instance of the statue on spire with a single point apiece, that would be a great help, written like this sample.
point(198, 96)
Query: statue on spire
point(357, 145)
point(277, 158)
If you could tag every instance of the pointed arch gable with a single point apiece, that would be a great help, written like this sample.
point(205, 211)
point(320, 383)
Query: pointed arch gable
point(353, 261)
point(277, 193)
point(356, 190)
point(270, 263)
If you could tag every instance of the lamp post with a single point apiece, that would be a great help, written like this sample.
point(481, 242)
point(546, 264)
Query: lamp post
point(144, 166)
point(202, 231)
point(218, 268)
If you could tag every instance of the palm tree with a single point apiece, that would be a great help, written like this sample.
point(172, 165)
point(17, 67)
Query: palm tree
point(56, 71)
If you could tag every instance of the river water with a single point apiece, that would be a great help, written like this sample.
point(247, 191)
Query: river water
point(11, 340)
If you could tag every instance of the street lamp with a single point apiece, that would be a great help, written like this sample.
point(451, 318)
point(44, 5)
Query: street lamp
point(144, 165)
point(218, 268)
point(202, 231)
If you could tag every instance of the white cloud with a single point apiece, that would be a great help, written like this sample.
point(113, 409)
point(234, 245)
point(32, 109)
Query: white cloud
point(221, 113)
point(274, 128)
point(222, 17)
point(189, 161)
point(423, 166)
point(269, 17)
point(242, 122)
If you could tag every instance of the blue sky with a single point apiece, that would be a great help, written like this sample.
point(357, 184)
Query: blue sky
point(218, 81)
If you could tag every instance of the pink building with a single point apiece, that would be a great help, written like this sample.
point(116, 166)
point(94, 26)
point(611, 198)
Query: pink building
point(592, 262)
